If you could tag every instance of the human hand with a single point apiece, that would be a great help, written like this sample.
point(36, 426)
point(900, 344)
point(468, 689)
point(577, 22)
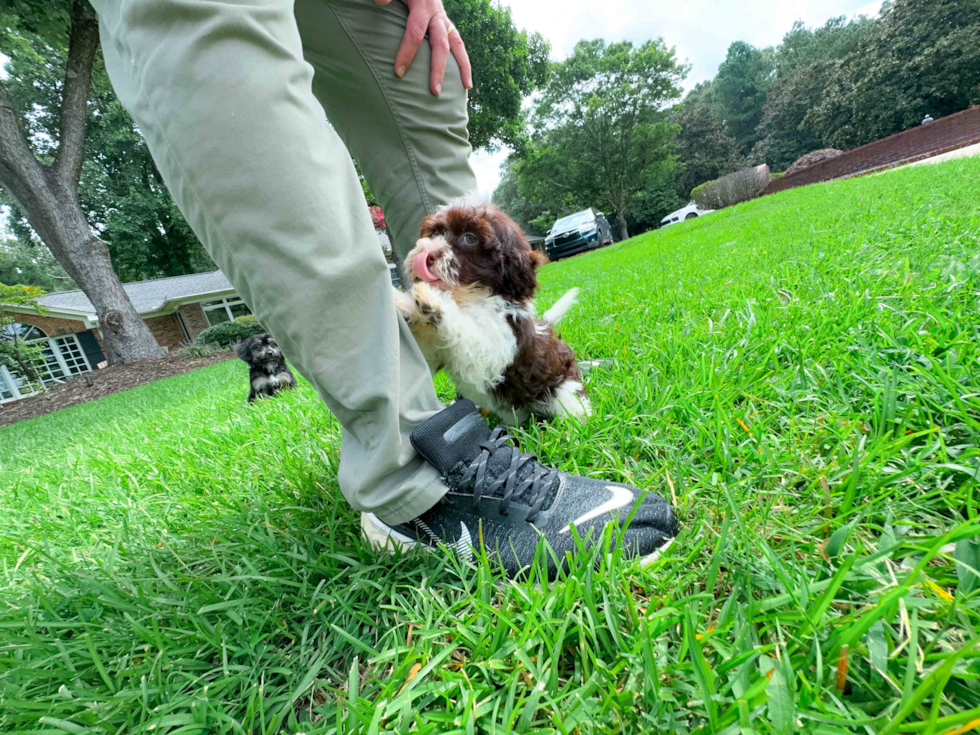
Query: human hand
point(428, 16)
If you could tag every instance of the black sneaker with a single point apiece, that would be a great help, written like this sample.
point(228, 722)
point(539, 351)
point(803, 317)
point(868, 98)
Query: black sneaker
point(507, 500)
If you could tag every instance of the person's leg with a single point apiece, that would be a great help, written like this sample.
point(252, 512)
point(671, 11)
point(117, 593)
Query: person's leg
point(411, 145)
point(224, 98)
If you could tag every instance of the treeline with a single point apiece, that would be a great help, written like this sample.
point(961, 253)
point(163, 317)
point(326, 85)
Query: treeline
point(608, 128)
point(841, 85)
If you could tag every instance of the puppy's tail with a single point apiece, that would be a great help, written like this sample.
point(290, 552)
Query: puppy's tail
point(557, 312)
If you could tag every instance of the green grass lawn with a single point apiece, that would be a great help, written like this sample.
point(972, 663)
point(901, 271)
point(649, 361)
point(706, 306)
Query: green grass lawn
point(800, 373)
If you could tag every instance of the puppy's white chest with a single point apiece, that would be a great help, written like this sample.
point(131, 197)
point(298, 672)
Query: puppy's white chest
point(270, 382)
point(480, 341)
point(265, 381)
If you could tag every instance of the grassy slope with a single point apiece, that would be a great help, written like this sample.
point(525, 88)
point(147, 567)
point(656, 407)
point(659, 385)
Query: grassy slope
point(801, 372)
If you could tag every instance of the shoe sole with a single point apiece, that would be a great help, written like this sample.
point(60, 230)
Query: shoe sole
point(384, 538)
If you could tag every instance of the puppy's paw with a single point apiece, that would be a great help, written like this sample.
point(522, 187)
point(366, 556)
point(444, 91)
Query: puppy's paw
point(428, 303)
point(405, 305)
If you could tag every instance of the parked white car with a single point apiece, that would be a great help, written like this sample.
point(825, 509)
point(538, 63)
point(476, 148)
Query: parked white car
point(691, 211)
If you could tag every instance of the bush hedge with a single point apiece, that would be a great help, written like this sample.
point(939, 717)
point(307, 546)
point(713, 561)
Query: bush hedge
point(246, 319)
point(732, 189)
point(228, 333)
point(697, 193)
point(200, 350)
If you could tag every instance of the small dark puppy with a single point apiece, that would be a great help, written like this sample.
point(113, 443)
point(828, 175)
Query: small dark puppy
point(268, 373)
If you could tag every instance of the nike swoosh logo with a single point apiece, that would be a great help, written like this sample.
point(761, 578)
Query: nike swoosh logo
point(464, 546)
point(620, 497)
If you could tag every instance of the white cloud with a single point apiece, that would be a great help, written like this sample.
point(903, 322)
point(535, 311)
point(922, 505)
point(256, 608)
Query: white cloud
point(700, 30)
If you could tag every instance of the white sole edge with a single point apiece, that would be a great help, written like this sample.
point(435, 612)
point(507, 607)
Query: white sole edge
point(651, 558)
point(383, 538)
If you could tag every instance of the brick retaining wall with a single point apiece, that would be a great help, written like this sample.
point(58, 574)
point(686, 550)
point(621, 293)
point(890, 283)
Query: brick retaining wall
point(924, 141)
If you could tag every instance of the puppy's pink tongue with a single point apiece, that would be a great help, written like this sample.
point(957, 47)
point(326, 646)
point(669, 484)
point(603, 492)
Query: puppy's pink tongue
point(420, 265)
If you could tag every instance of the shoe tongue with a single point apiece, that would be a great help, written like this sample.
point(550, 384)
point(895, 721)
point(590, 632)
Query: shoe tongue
point(451, 439)
point(451, 436)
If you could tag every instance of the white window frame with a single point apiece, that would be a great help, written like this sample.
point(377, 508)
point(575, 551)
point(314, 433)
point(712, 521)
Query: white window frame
point(11, 385)
point(225, 305)
point(55, 348)
point(61, 358)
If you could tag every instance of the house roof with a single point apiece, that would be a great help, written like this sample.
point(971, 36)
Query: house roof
point(147, 296)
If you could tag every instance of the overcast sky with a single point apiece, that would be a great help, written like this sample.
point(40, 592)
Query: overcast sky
point(700, 30)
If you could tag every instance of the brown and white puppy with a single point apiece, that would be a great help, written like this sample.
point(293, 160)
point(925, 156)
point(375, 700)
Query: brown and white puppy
point(470, 305)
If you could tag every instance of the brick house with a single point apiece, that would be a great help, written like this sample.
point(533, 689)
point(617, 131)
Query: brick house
point(175, 309)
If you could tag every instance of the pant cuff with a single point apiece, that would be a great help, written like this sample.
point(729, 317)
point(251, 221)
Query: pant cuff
point(415, 504)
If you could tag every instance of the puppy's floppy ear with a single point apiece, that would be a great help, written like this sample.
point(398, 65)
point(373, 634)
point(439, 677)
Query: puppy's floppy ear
point(539, 259)
point(517, 258)
point(428, 226)
point(244, 349)
point(522, 282)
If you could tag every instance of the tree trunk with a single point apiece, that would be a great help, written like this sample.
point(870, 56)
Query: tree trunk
point(624, 233)
point(48, 197)
point(59, 221)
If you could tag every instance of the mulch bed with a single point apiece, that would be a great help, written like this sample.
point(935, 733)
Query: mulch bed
point(104, 382)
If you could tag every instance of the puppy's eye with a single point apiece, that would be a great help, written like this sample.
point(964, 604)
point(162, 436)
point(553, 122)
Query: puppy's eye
point(468, 239)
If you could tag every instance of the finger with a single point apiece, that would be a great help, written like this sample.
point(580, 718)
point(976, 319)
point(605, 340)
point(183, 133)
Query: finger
point(458, 48)
point(439, 41)
point(418, 21)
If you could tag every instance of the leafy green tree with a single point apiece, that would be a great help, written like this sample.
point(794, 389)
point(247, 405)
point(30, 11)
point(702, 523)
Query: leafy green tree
point(835, 39)
point(602, 133)
point(508, 64)
point(542, 184)
point(785, 132)
point(806, 64)
point(120, 189)
point(705, 151)
point(30, 263)
point(921, 57)
point(650, 205)
point(508, 197)
point(16, 355)
point(741, 85)
point(41, 174)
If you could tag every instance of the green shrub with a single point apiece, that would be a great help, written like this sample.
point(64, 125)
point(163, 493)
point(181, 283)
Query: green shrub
point(228, 333)
point(697, 193)
point(733, 188)
point(246, 319)
point(200, 350)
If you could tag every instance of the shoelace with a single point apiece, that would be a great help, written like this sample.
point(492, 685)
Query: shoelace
point(540, 481)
